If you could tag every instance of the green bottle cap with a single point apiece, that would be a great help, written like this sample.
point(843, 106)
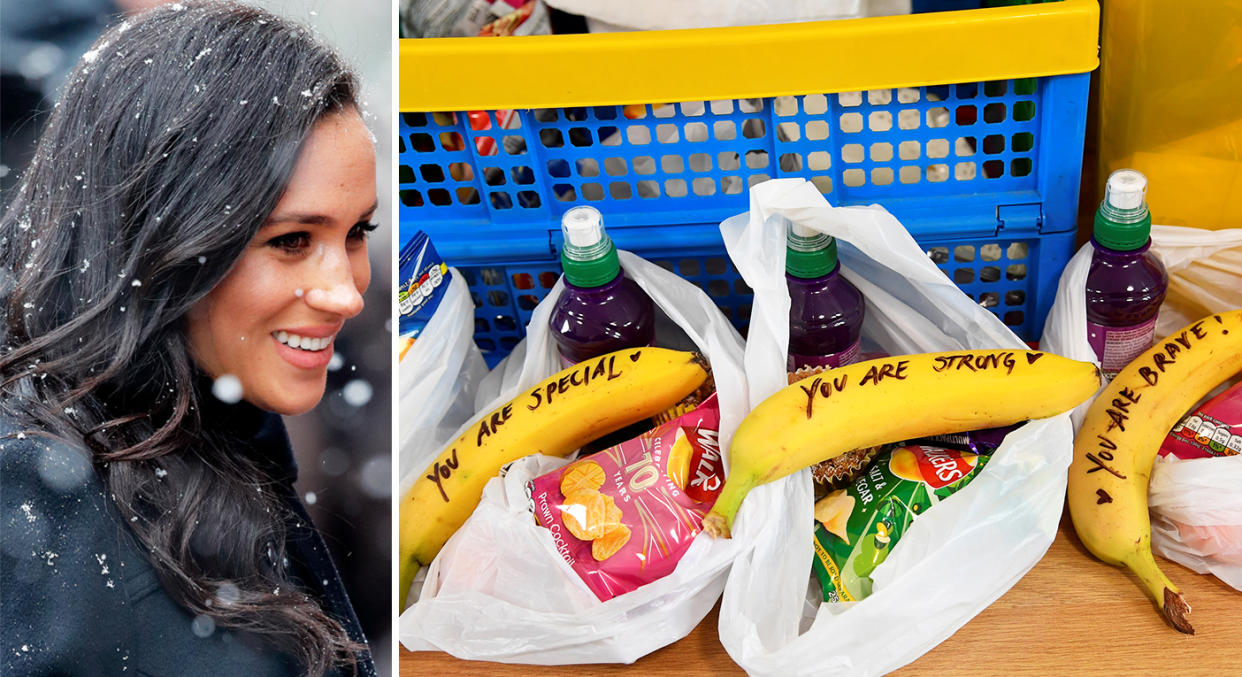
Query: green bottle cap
point(1123, 222)
point(588, 257)
point(809, 253)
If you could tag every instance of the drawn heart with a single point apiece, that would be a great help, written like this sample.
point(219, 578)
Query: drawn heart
point(634, 356)
point(1032, 357)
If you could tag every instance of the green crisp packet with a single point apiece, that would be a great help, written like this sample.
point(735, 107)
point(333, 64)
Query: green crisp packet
point(857, 526)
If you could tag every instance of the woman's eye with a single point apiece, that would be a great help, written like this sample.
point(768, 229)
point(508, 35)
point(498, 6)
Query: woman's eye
point(291, 242)
point(361, 230)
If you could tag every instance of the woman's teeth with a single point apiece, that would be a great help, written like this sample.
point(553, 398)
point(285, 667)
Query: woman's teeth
point(302, 342)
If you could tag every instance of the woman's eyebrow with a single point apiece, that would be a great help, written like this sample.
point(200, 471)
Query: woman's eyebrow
point(311, 219)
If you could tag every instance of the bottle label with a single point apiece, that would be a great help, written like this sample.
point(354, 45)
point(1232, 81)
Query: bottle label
point(1118, 346)
point(567, 361)
point(833, 360)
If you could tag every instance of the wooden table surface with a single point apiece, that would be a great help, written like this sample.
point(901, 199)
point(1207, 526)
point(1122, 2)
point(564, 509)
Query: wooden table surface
point(1070, 614)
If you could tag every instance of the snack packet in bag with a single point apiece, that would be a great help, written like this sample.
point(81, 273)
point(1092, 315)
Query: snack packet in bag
point(623, 517)
point(1214, 429)
point(857, 526)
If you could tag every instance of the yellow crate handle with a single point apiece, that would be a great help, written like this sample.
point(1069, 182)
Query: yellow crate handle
point(552, 71)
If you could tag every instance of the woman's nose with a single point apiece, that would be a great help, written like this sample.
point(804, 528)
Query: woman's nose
point(335, 289)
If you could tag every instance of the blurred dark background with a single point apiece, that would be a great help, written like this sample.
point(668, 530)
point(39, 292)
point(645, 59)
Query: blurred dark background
point(343, 446)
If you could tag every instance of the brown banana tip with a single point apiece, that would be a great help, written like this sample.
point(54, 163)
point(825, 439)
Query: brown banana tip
point(698, 358)
point(714, 525)
point(1175, 611)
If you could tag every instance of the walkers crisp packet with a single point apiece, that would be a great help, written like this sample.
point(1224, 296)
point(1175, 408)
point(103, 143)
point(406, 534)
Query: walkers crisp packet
point(623, 517)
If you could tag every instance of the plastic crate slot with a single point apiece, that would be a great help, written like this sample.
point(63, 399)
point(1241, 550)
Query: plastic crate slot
point(993, 144)
point(648, 189)
point(405, 174)
point(1015, 318)
point(675, 188)
point(514, 145)
point(1016, 271)
point(989, 274)
point(1020, 166)
point(851, 123)
point(1015, 297)
point(609, 136)
point(588, 168)
point(527, 301)
point(909, 119)
point(721, 106)
point(964, 275)
point(672, 164)
point(989, 299)
point(547, 279)
point(523, 281)
point(753, 128)
point(994, 113)
point(619, 190)
point(688, 267)
point(910, 175)
point(882, 176)
point(938, 117)
point(414, 119)
point(964, 253)
point(880, 121)
point(938, 255)
point(724, 130)
point(506, 323)
point(422, 143)
point(703, 186)
point(700, 162)
point(467, 195)
point(411, 198)
point(790, 162)
point(994, 169)
point(501, 200)
point(593, 192)
point(881, 152)
point(965, 171)
point(481, 325)
point(551, 138)
point(1017, 251)
point(522, 175)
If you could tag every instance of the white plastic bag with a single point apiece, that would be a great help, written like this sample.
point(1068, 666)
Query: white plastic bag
point(499, 590)
point(1196, 506)
point(956, 559)
point(628, 15)
point(438, 379)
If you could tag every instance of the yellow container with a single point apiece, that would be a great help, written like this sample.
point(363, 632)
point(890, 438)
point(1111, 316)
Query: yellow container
point(1170, 106)
point(452, 74)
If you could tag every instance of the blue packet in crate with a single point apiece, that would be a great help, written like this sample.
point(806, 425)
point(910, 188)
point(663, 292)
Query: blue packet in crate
point(423, 277)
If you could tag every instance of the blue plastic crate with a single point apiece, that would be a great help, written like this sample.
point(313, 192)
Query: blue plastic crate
point(985, 175)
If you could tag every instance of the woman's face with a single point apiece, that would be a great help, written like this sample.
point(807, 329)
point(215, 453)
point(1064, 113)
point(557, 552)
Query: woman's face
point(271, 322)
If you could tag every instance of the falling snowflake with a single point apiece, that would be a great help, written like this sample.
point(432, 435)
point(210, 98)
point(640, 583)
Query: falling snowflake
point(29, 512)
point(336, 362)
point(311, 498)
point(227, 388)
point(103, 568)
point(136, 283)
point(357, 393)
point(161, 473)
point(202, 259)
point(306, 93)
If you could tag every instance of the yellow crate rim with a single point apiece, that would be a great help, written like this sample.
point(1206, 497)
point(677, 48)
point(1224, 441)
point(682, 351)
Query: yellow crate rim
point(552, 71)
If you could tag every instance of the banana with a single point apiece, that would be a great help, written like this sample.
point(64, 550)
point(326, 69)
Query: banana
point(555, 417)
point(1120, 436)
point(890, 400)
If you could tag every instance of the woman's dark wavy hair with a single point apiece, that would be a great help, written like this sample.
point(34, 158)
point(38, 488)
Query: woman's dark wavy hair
point(172, 142)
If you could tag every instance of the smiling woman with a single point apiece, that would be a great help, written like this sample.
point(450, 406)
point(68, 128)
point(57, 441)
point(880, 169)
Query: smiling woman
point(174, 270)
point(271, 322)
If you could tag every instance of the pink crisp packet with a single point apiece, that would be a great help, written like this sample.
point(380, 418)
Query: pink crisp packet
point(634, 508)
point(1214, 429)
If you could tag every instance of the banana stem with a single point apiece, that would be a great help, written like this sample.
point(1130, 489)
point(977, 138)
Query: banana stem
point(1162, 591)
point(719, 522)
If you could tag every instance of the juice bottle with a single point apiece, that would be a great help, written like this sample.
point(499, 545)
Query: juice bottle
point(1126, 283)
point(600, 310)
point(825, 310)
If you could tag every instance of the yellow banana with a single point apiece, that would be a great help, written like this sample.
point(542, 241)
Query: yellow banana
point(1119, 439)
point(555, 417)
point(893, 399)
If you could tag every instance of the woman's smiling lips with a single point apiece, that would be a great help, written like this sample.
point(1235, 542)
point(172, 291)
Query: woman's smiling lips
point(306, 347)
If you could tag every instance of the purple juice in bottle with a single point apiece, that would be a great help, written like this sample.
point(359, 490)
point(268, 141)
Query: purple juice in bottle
point(1126, 283)
point(825, 310)
point(600, 310)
